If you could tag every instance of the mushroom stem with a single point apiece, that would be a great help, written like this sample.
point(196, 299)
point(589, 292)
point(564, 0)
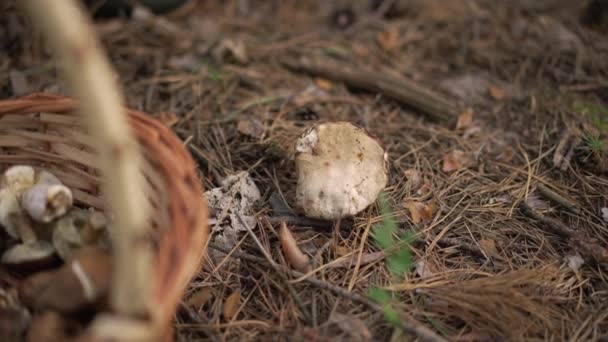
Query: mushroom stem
point(24, 228)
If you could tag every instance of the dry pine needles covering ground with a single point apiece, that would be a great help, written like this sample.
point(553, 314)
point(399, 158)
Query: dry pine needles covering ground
point(505, 204)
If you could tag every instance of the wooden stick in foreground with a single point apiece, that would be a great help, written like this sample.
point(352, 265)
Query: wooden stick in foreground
point(70, 33)
point(433, 105)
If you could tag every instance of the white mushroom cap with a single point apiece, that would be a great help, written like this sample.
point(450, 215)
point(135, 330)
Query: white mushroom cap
point(9, 206)
point(18, 178)
point(45, 202)
point(27, 253)
point(341, 170)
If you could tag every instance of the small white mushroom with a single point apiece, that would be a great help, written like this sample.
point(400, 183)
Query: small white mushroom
point(28, 254)
point(45, 202)
point(79, 228)
point(13, 183)
point(18, 178)
point(341, 170)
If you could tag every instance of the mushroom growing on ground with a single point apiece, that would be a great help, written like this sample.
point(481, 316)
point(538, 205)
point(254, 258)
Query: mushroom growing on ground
point(341, 170)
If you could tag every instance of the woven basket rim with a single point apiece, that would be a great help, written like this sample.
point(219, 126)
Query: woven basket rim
point(183, 247)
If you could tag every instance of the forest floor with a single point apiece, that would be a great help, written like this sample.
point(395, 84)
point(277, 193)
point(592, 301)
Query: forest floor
point(504, 190)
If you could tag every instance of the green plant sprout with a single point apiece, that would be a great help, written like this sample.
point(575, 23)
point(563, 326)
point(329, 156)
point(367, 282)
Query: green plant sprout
point(399, 257)
point(597, 114)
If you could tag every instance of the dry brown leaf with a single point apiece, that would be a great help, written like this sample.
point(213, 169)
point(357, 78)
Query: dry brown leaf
point(497, 93)
point(425, 188)
point(455, 160)
point(251, 127)
point(293, 254)
point(414, 179)
point(389, 39)
point(200, 297)
point(465, 119)
point(323, 83)
point(353, 326)
point(415, 209)
point(428, 210)
point(489, 247)
point(420, 212)
point(168, 118)
point(341, 250)
point(231, 305)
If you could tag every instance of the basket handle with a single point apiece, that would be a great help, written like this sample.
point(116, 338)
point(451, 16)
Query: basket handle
point(89, 75)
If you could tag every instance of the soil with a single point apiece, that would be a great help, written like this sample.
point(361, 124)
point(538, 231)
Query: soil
point(495, 255)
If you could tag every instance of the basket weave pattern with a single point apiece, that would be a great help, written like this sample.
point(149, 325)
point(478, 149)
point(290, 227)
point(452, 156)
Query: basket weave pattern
point(44, 130)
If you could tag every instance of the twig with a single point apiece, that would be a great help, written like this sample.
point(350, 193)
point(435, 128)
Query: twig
point(554, 225)
point(559, 199)
point(589, 247)
point(411, 326)
point(91, 78)
point(405, 91)
point(277, 269)
point(300, 221)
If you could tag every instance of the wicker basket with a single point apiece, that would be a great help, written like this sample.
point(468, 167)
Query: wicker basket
point(43, 130)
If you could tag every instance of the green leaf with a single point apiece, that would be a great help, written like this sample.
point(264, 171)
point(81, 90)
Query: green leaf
point(379, 295)
point(383, 236)
point(383, 233)
point(401, 261)
point(391, 315)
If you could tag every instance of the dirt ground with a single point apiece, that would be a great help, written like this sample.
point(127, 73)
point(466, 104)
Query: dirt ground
point(504, 197)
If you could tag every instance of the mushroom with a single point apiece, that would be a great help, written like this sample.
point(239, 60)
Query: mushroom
point(81, 283)
point(29, 255)
point(48, 199)
point(341, 170)
point(13, 183)
point(79, 228)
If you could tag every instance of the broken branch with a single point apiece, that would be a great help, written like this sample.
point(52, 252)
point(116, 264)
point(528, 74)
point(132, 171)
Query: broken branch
point(433, 105)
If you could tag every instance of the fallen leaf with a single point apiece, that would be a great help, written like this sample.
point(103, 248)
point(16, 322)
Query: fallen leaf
point(465, 119)
point(231, 305)
point(468, 87)
point(341, 250)
point(575, 262)
point(422, 269)
point(538, 204)
point(168, 118)
point(425, 188)
point(234, 48)
point(236, 196)
point(200, 297)
point(353, 326)
point(489, 247)
point(455, 161)
point(421, 212)
point(389, 39)
point(323, 83)
point(251, 127)
point(497, 93)
point(298, 260)
point(414, 179)
point(605, 214)
point(415, 209)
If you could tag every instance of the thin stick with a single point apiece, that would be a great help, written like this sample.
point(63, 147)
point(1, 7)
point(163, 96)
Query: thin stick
point(589, 247)
point(559, 199)
point(277, 269)
point(90, 77)
point(410, 325)
point(433, 105)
